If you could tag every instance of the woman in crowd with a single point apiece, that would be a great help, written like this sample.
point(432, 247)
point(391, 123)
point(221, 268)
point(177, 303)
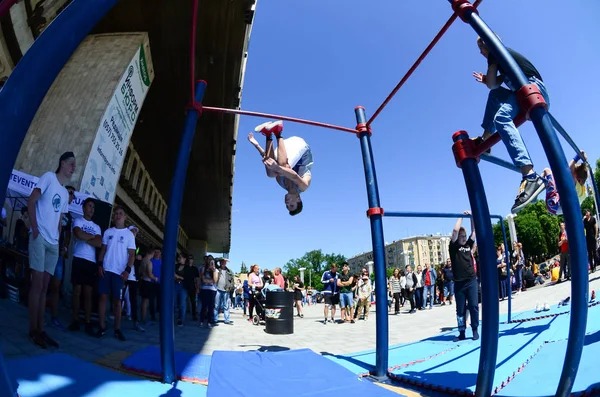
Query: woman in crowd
point(298, 286)
point(419, 290)
point(519, 263)
point(502, 273)
point(255, 284)
point(208, 291)
point(396, 289)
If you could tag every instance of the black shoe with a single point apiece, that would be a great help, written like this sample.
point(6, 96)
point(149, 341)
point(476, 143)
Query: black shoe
point(475, 334)
point(478, 141)
point(74, 326)
point(37, 339)
point(49, 341)
point(179, 323)
point(528, 191)
point(119, 335)
point(89, 329)
point(101, 333)
point(461, 336)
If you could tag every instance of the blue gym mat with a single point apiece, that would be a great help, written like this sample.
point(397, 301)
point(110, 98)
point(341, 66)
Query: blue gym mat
point(399, 356)
point(456, 371)
point(60, 375)
point(295, 372)
point(190, 367)
point(531, 315)
point(540, 377)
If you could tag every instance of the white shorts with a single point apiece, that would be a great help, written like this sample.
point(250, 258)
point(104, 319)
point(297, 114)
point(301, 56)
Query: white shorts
point(295, 148)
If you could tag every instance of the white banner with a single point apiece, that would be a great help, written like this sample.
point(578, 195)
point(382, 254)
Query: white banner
point(103, 168)
point(24, 184)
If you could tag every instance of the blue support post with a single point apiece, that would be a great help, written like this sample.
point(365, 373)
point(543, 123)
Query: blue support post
point(167, 282)
point(28, 84)
point(507, 256)
point(382, 342)
point(489, 274)
point(569, 203)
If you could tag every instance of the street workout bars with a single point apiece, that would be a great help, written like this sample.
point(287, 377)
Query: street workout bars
point(535, 108)
point(417, 63)
point(400, 214)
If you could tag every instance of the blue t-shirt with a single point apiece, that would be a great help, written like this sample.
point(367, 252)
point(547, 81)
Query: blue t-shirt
point(328, 286)
point(448, 274)
point(156, 265)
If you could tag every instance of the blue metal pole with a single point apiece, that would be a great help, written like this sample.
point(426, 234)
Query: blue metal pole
point(400, 214)
point(28, 84)
point(569, 203)
point(489, 274)
point(577, 249)
point(382, 342)
point(167, 282)
point(507, 269)
point(500, 162)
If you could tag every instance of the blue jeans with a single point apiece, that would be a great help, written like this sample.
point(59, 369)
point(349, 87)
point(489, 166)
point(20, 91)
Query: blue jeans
point(448, 289)
point(467, 299)
point(419, 297)
point(428, 289)
point(238, 301)
point(181, 295)
point(222, 303)
point(500, 110)
point(346, 299)
point(519, 277)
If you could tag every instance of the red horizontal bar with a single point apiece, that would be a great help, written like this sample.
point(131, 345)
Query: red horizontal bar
point(495, 138)
point(416, 64)
point(278, 117)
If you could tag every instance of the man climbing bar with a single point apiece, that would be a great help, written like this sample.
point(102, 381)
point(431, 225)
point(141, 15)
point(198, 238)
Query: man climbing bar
point(290, 165)
point(501, 108)
point(465, 278)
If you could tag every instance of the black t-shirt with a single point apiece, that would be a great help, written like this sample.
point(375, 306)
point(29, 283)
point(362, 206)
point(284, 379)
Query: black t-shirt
point(448, 274)
point(590, 228)
point(190, 274)
point(344, 278)
point(462, 261)
point(524, 63)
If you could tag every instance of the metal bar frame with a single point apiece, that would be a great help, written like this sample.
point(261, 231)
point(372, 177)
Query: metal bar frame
point(570, 204)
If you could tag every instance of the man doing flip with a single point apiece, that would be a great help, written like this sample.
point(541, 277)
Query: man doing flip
point(290, 164)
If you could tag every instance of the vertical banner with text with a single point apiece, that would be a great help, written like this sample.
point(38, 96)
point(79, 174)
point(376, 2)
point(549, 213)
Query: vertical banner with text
point(103, 168)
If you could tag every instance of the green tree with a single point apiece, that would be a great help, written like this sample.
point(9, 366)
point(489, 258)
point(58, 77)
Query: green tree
point(243, 268)
point(315, 263)
point(498, 238)
point(588, 204)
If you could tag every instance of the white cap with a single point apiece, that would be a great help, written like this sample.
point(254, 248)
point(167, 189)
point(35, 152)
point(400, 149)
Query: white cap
point(133, 227)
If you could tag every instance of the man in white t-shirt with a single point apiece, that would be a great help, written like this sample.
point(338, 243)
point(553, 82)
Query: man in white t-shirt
point(130, 293)
point(88, 237)
point(47, 204)
point(115, 263)
point(290, 165)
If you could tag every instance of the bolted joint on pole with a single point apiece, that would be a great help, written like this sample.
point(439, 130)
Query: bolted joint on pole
point(463, 148)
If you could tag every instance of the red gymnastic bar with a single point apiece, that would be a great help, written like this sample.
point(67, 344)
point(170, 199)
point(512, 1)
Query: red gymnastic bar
point(417, 63)
point(277, 117)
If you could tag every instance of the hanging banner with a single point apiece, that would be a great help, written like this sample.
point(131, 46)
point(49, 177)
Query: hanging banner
point(103, 167)
point(24, 184)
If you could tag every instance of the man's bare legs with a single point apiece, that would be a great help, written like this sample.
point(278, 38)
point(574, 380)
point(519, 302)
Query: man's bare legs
point(282, 158)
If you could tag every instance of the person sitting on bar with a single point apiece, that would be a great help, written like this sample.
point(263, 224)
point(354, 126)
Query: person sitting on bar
point(290, 165)
point(579, 172)
point(501, 108)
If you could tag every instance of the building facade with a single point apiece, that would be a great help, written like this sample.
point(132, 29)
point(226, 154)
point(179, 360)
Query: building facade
point(414, 251)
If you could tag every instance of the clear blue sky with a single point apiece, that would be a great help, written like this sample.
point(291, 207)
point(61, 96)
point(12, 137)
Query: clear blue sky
point(319, 59)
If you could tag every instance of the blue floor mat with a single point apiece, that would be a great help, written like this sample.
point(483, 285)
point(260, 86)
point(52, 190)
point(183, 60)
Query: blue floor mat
point(190, 367)
point(457, 369)
point(530, 315)
point(60, 375)
point(296, 372)
point(398, 356)
point(540, 377)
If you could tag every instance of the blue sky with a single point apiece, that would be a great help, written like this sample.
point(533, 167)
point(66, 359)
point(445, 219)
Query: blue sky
point(319, 59)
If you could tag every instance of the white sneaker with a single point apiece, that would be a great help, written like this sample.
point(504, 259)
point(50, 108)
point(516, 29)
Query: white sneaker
point(546, 307)
point(264, 127)
point(537, 307)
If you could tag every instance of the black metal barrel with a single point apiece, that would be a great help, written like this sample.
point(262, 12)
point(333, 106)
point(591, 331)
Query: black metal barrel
point(279, 315)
